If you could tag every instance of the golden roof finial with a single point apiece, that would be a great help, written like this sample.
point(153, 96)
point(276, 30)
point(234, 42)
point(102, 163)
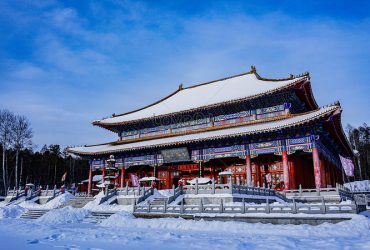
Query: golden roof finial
point(180, 87)
point(253, 69)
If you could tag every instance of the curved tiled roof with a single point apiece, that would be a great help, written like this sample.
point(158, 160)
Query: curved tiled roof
point(292, 121)
point(244, 86)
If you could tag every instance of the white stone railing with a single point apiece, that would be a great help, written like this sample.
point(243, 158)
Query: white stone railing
point(244, 208)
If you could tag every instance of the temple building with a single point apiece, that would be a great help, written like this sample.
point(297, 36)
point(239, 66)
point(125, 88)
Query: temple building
point(263, 132)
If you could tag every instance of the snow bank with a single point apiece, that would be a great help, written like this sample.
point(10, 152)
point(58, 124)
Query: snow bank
point(64, 215)
point(92, 205)
point(118, 220)
point(358, 185)
point(11, 212)
point(358, 225)
point(54, 203)
point(163, 192)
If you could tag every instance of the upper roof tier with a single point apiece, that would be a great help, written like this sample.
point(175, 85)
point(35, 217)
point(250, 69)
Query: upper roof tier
point(244, 86)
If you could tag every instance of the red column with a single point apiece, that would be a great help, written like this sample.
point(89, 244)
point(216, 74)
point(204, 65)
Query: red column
point(122, 176)
point(257, 180)
point(292, 180)
point(285, 169)
point(316, 167)
point(322, 167)
point(327, 173)
point(248, 170)
point(103, 173)
point(89, 186)
point(200, 169)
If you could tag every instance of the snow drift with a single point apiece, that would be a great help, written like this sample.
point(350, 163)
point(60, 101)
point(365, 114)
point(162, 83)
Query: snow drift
point(64, 215)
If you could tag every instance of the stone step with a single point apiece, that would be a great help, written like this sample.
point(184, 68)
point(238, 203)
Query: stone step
point(158, 201)
point(33, 214)
point(79, 202)
point(96, 217)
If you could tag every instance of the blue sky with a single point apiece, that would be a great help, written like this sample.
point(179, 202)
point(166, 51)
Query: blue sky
point(64, 64)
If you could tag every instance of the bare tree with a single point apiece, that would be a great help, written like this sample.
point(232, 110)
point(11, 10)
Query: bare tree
point(22, 138)
point(7, 119)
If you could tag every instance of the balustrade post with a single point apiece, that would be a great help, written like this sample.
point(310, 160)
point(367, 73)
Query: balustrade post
point(196, 186)
point(267, 206)
point(165, 206)
point(201, 205)
point(148, 206)
point(323, 207)
point(173, 189)
point(213, 186)
point(300, 189)
point(243, 206)
point(294, 206)
point(182, 207)
point(126, 187)
point(221, 206)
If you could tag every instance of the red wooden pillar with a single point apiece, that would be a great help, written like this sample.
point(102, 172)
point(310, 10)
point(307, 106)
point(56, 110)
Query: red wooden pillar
point(322, 167)
point(200, 169)
point(103, 173)
point(168, 179)
point(333, 174)
point(122, 176)
point(89, 186)
point(316, 167)
point(285, 169)
point(292, 179)
point(257, 180)
point(248, 170)
point(327, 173)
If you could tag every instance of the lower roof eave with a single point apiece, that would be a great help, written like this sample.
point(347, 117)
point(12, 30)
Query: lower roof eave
point(291, 122)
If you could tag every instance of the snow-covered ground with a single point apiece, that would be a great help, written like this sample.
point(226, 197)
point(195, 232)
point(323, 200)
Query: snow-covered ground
point(62, 229)
point(54, 203)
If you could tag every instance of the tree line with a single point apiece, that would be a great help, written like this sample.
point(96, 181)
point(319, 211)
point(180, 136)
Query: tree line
point(359, 139)
point(21, 164)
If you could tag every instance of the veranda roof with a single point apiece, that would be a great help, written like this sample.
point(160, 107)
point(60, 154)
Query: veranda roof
point(247, 129)
point(244, 86)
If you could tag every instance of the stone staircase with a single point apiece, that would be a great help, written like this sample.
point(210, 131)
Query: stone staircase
point(34, 213)
point(158, 201)
point(79, 202)
point(97, 217)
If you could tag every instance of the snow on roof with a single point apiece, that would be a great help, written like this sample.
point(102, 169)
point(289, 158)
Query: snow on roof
point(200, 180)
point(225, 173)
point(96, 178)
point(233, 88)
point(240, 130)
